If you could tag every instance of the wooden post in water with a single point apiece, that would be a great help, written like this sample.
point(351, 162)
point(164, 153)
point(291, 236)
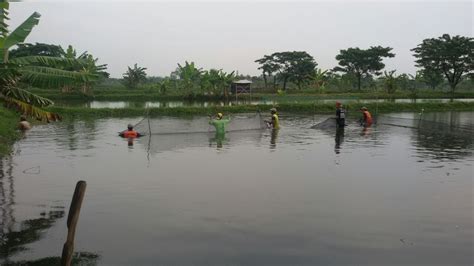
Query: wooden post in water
point(73, 217)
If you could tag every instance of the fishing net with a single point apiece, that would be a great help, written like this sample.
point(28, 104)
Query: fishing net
point(328, 123)
point(437, 123)
point(158, 143)
point(167, 125)
point(426, 124)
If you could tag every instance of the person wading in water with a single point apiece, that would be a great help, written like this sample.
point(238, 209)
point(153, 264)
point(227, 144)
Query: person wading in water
point(130, 133)
point(24, 125)
point(219, 123)
point(340, 115)
point(275, 122)
point(366, 120)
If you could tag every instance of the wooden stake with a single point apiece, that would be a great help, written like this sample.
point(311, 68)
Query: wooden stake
point(73, 217)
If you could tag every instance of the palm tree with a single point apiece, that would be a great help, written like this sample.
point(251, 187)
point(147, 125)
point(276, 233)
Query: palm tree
point(134, 76)
point(41, 71)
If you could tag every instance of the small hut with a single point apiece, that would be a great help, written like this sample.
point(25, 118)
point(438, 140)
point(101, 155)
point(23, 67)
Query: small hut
point(240, 87)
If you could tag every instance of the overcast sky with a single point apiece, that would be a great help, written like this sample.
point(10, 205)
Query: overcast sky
point(232, 35)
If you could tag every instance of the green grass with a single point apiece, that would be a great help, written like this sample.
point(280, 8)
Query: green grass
point(8, 133)
point(307, 108)
point(145, 94)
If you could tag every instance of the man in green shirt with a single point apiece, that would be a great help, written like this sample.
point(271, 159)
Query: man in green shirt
point(219, 123)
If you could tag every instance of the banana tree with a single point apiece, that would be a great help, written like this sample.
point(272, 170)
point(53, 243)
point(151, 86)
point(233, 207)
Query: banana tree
point(87, 64)
point(40, 71)
point(390, 81)
point(224, 81)
point(134, 76)
point(189, 77)
point(319, 79)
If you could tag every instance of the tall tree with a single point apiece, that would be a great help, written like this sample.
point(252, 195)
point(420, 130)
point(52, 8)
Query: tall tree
point(134, 76)
point(297, 66)
point(17, 73)
point(362, 63)
point(268, 67)
point(432, 78)
point(451, 56)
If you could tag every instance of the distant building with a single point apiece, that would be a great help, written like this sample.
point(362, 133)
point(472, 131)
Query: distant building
point(240, 87)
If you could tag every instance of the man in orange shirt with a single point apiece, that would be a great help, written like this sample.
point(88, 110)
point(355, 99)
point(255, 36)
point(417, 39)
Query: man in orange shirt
point(366, 121)
point(130, 133)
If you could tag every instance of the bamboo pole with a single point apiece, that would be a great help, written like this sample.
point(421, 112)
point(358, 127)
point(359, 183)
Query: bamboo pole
point(73, 217)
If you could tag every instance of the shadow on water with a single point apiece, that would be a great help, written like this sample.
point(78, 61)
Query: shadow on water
point(16, 235)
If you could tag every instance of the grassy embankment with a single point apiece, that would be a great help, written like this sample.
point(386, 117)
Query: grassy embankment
point(115, 94)
point(302, 108)
point(8, 132)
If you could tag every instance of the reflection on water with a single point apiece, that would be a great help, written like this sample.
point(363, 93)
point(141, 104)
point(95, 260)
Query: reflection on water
point(18, 230)
point(394, 195)
point(16, 234)
point(297, 99)
point(339, 140)
point(274, 137)
point(79, 258)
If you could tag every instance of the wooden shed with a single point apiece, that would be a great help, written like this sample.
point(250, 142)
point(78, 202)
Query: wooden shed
point(242, 86)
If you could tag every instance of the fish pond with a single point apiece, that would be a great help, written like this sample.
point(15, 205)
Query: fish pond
point(399, 193)
point(286, 99)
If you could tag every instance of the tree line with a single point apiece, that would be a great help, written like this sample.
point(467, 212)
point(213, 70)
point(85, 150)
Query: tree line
point(439, 59)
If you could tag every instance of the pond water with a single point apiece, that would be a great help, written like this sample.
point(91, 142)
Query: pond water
point(390, 195)
point(299, 99)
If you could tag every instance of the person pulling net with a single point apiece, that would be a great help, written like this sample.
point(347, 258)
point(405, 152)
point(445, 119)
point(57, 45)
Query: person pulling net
point(334, 122)
point(130, 133)
point(219, 123)
point(274, 122)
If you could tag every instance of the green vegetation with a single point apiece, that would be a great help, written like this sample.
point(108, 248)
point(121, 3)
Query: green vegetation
point(8, 133)
point(154, 94)
point(134, 76)
point(297, 67)
point(17, 73)
point(362, 63)
point(451, 56)
point(307, 108)
point(190, 81)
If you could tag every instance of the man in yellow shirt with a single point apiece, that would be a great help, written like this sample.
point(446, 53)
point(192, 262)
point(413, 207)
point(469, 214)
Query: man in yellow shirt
point(275, 122)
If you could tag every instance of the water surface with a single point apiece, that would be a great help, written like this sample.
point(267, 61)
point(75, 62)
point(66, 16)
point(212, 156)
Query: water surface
point(389, 195)
point(286, 99)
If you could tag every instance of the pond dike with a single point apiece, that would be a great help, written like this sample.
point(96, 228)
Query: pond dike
point(8, 133)
point(300, 108)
